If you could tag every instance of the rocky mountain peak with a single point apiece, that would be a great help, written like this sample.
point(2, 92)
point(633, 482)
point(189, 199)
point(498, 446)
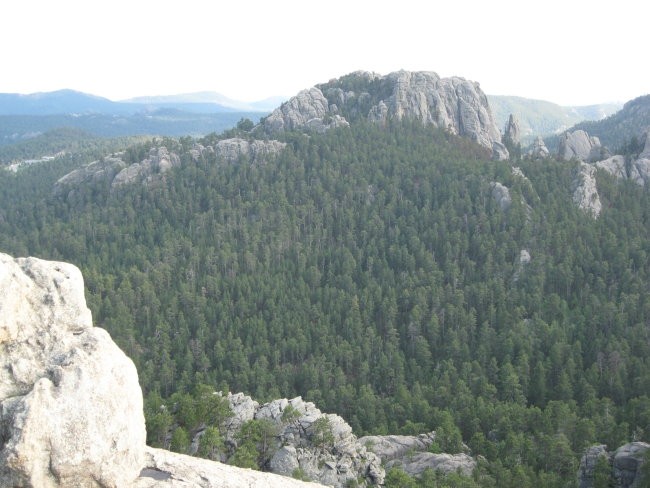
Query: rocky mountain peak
point(455, 104)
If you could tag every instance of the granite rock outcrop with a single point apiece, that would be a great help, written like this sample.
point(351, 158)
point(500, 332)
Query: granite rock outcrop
point(584, 190)
point(538, 150)
point(236, 150)
point(115, 172)
point(159, 161)
point(410, 453)
point(578, 145)
point(636, 169)
point(334, 463)
point(309, 109)
point(454, 104)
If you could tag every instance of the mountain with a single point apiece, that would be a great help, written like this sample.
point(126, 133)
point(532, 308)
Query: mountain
point(59, 102)
point(207, 102)
point(453, 104)
point(540, 118)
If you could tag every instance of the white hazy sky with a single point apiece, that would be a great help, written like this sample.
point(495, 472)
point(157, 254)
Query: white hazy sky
point(571, 52)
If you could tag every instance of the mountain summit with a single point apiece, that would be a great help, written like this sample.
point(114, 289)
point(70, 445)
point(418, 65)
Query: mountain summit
point(455, 104)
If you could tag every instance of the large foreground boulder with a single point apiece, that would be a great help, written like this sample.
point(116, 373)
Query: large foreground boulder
point(70, 402)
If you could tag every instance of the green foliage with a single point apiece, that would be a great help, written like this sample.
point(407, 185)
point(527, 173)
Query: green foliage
point(256, 440)
point(290, 415)
point(369, 270)
point(180, 441)
point(321, 432)
point(211, 444)
point(245, 125)
point(397, 478)
point(603, 473)
point(645, 471)
point(246, 456)
point(300, 474)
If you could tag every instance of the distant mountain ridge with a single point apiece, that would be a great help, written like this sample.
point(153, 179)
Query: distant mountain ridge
point(540, 117)
point(24, 117)
point(74, 102)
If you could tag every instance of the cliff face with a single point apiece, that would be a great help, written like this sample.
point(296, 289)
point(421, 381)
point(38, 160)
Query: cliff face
point(70, 403)
point(455, 104)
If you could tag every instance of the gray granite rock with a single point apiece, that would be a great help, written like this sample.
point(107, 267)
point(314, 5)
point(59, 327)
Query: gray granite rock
point(70, 403)
point(513, 130)
point(538, 150)
point(501, 195)
point(254, 152)
point(584, 190)
point(454, 104)
point(578, 145)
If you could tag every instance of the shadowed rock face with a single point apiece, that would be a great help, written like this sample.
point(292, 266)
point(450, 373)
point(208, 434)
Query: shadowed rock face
point(70, 402)
point(625, 465)
point(454, 104)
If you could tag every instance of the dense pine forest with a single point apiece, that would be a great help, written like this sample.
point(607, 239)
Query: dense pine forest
point(372, 271)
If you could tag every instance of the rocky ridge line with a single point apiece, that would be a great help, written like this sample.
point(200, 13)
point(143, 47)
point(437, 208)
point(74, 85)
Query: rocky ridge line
point(160, 160)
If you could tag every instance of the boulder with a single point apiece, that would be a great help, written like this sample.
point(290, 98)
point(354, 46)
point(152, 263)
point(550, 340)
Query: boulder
point(578, 145)
point(70, 402)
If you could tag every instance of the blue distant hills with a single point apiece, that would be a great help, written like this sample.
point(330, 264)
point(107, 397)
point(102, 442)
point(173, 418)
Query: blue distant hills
point(23, 117)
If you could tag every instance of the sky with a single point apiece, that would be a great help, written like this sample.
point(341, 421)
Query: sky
point(571, 52)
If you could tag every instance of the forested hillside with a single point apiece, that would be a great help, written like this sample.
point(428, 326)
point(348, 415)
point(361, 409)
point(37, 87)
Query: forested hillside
point(625, 127)
point(372, 271)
